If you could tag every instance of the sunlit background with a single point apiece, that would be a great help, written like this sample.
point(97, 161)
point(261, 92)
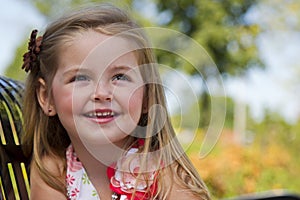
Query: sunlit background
point(255, 45)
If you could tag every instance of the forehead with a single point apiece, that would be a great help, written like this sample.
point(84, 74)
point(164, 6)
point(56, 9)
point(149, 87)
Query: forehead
point(91, 46)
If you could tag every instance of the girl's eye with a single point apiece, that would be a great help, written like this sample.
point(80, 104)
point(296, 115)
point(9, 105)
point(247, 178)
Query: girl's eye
point(120, 77)
point(79, 78)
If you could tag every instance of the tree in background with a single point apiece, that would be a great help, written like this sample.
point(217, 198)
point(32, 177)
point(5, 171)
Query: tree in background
point(219, 26)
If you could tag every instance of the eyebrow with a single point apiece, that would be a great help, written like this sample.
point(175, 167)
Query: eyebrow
point(74, 71)
point(123, 67)
point(112, 68)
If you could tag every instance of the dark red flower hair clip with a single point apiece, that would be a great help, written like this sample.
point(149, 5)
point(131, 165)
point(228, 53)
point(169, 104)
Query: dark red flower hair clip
point(30, 58)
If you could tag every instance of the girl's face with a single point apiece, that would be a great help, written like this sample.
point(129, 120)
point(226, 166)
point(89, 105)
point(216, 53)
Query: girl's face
point(98, 89)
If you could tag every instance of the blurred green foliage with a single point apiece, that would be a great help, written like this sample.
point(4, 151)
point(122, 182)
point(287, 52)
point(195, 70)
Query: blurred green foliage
point(269, 162)
point(14, 70)
point(219, 26)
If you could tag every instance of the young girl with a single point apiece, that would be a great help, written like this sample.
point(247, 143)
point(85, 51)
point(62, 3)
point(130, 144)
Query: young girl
point(94, 114)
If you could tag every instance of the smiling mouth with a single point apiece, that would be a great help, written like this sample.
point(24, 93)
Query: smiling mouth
point(101, 114)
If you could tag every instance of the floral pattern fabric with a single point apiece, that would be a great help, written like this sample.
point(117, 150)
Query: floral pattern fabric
point(122, 181)
point(126, 177)
point(79, 187)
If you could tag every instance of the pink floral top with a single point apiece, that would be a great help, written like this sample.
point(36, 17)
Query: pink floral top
point(79, 186)
point(122, 182)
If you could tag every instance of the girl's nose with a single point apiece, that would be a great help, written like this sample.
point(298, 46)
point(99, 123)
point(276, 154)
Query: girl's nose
point(102, 92)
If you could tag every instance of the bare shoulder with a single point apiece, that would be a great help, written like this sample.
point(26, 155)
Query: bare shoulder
point(178, 190)
point(39, 188)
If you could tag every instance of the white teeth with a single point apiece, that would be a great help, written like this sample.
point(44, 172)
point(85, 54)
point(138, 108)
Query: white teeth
point(103, 114)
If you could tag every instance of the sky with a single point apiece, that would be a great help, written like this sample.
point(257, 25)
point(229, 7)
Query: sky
point(275, 88)
point(17, 18)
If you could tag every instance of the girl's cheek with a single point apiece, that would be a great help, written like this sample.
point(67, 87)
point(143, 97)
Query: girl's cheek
point(66, 102)
point(78, 98)
point(135, 104)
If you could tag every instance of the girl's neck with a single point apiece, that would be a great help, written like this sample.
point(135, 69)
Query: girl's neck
point(98, 155)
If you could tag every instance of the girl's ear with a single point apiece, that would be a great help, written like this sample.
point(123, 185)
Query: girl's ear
point(45, 98)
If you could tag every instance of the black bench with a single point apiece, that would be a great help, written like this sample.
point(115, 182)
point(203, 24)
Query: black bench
point(269, 195)
point(14, 180)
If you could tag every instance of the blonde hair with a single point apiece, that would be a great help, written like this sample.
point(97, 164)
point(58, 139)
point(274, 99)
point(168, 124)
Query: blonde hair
point(46, 136)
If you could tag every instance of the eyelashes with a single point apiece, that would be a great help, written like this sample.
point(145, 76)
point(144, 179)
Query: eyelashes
point(82, 77)
point(79, 77)
point(120, 77)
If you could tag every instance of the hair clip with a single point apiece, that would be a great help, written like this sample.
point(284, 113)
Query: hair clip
point(30, 58)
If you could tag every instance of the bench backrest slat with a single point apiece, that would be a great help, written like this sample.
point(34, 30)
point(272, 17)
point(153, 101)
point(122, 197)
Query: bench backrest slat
point(14, 181)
